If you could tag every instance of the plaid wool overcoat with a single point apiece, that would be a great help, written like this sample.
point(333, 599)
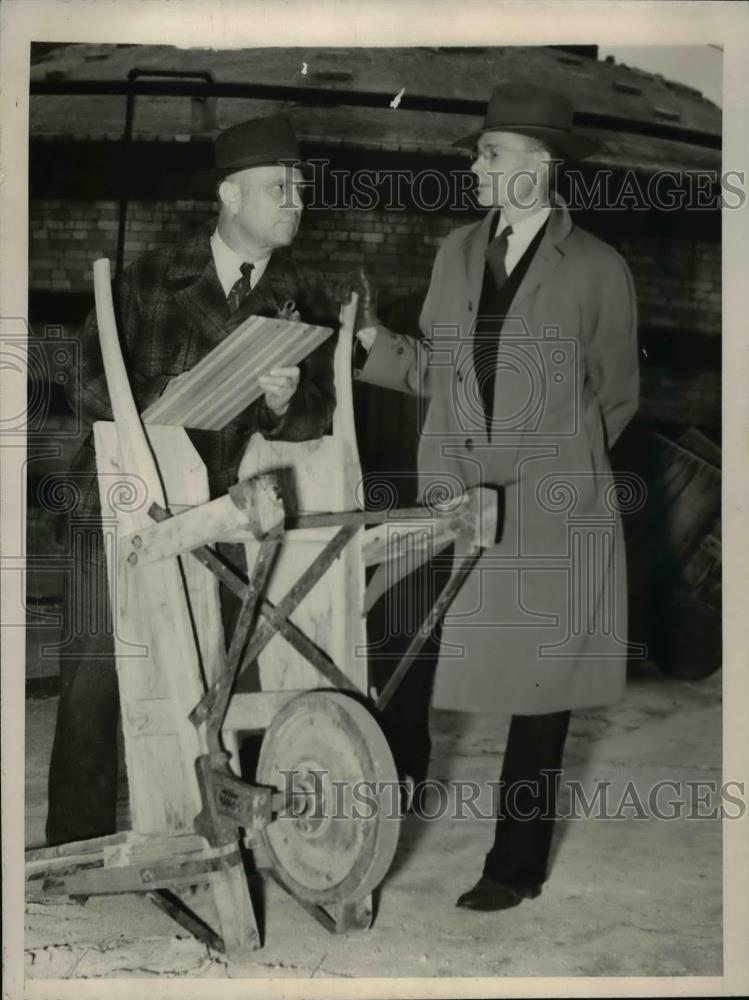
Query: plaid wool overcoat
point(171, 311)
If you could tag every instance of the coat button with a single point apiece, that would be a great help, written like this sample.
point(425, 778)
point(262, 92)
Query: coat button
point(460, 376)
point(470, 307)
point(399, 350)
point(469, 444)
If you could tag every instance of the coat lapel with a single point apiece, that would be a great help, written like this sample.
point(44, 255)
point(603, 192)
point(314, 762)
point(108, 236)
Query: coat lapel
point(474, 248)
point(195, 286)
point(548, 254)
point(544, 261)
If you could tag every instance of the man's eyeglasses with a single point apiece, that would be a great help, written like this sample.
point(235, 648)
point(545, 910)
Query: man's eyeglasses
point(282, 191)
point(492, 154)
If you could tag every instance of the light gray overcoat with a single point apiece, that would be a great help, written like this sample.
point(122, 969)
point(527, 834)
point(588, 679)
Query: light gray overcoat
point(540, 625)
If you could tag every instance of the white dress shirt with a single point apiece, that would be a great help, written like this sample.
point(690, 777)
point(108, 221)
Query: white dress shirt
point(228, 263)
point(522, 234)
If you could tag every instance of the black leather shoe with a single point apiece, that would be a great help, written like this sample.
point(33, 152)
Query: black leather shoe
point(489, 895)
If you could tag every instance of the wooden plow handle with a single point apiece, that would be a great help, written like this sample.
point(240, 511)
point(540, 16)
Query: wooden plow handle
point(135, 450)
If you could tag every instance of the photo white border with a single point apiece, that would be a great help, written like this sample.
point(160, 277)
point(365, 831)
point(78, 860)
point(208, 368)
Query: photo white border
point(225, 24)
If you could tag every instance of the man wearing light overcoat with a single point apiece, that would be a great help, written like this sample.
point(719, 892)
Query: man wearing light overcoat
point(528, 369)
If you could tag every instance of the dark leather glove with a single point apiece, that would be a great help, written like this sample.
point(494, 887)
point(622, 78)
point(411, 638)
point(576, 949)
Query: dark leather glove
point(339, 288)
point(366, 309)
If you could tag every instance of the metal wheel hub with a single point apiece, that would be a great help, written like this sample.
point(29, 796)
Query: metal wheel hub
point(336, 838)
point(311, 799)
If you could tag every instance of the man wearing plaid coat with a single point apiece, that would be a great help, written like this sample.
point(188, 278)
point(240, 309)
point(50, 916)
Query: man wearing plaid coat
point(174, 305)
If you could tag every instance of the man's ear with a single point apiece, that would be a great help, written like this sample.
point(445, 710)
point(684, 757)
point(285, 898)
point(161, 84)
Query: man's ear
point(228, 195)
point(545, 166)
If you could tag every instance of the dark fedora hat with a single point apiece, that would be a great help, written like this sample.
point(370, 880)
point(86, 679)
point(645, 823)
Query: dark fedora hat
point(533, 111)
point(261, 142)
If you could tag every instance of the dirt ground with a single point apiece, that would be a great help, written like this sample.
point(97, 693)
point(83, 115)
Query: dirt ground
point(627, 897)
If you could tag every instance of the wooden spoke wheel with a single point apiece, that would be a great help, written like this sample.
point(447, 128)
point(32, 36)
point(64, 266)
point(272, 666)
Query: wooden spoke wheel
point(336, 838)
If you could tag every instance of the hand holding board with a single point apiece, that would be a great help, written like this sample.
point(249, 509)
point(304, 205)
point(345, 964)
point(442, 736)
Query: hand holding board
point(220, 386)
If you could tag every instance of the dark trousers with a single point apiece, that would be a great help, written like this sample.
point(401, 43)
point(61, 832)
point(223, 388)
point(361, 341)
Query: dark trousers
point(82, 787)
point(526, 802)
point(535, 744)
point(82, 791)
point(391, 624)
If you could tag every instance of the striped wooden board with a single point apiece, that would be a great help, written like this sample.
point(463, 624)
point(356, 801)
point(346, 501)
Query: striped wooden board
point(220, 386)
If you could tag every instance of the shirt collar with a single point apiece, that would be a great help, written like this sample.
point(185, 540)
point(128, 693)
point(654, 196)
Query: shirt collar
point(228, 263)
point(526, 228)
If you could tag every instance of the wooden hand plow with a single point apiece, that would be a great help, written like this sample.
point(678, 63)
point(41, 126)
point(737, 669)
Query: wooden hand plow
point(322, 815)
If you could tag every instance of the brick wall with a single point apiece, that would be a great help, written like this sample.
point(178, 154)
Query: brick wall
point(397, 248)
point(67, 237)
point(678, 282)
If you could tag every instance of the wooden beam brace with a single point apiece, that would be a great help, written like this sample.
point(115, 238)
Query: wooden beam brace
point(474, 514)
point(238, 584)
point(440, 606)
point(173, 906)
point(252, 506)
point(273, 621)
point(167, 873)
point(221, 689)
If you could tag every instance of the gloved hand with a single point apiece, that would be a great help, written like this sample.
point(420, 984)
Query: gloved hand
point(339, 289)
point(366, 321)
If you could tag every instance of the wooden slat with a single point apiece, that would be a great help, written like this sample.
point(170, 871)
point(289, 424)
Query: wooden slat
point(474, 520)
point(137, 850)
point(164, 873)
point(157, 659)
point(95, 845)
point(223, 383)
point(326, 473)
point(155, 643)
point(216, 521)
point(43, 860)
point(237, 918)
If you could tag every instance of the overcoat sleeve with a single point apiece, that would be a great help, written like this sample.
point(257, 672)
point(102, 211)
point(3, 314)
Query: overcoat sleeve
point(612, 351)
point(397, 361)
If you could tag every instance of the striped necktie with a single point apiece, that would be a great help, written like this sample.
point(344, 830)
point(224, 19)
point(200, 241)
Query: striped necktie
point(241, 288)
point(496, 253)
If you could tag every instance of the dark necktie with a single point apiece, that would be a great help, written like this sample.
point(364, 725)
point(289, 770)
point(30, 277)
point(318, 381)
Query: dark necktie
point(486, 337)
point(241, 288)
point(496, 253)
